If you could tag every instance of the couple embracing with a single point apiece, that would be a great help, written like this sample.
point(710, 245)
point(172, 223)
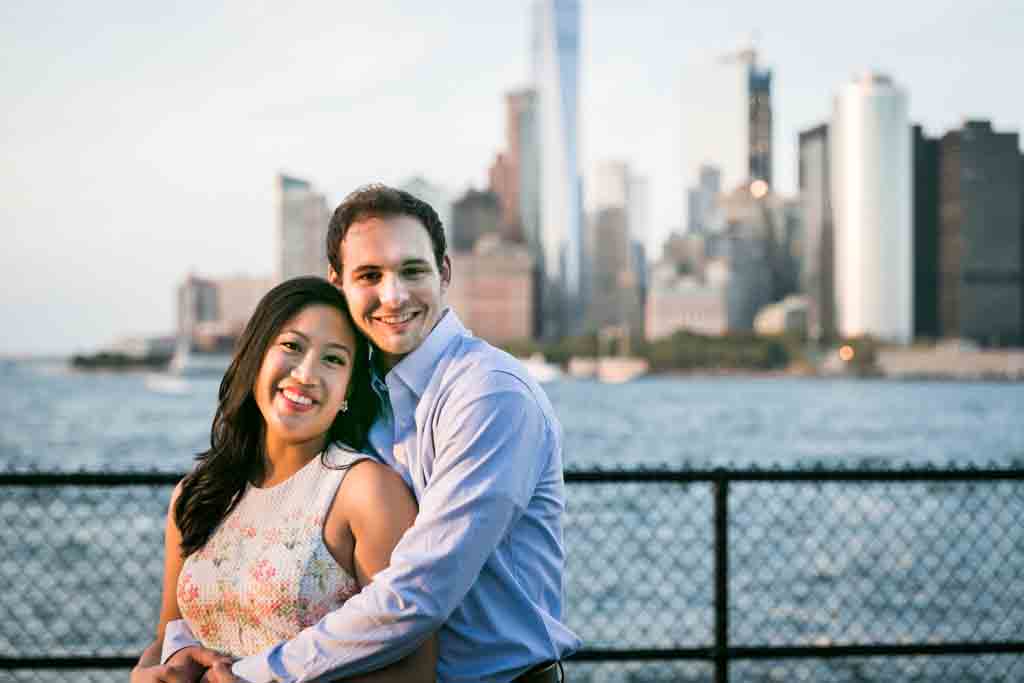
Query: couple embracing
point(383, 495)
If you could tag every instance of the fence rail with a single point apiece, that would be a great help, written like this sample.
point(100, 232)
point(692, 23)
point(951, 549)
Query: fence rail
point(673, 574)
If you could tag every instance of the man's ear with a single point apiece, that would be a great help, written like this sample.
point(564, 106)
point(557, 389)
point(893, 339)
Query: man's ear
point(446, 272)
point(333, 276)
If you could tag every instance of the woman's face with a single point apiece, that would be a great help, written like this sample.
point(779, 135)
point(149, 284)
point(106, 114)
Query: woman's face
point(304, 377)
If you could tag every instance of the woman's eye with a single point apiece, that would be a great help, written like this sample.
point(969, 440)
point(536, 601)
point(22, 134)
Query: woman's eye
point(290, 345)
point(336, 360)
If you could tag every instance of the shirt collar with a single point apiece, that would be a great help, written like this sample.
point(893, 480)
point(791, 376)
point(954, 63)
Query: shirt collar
point(416, 369)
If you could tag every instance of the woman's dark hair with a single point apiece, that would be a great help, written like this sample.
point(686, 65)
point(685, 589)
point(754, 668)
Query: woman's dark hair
point(235, 456)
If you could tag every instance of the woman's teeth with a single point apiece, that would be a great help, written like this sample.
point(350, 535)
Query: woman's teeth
point(297, 398)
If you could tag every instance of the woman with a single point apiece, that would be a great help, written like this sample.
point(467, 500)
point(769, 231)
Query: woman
point(282, 519)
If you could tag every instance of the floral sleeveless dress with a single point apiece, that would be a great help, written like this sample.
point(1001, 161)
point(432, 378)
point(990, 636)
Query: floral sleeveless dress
point(265, 573)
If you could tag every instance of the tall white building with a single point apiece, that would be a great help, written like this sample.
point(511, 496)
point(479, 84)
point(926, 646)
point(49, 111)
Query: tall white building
point(727, 120)
point(302, 229)
point(555, 49)
point(872, 195)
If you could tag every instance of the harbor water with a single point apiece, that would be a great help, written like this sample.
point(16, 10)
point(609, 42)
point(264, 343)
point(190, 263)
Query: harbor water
point(828, 563)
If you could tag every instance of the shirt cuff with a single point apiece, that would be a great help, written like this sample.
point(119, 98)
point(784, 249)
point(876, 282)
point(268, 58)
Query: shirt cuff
point(259, 669)
point(177, 636)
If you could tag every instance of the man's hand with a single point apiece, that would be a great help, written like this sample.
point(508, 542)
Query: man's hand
point(185, 666)
point(220, 673)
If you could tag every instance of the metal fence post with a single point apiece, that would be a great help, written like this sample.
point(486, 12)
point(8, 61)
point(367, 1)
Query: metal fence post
point(721, 521)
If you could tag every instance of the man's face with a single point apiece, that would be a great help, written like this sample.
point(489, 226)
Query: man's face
point(390, 278)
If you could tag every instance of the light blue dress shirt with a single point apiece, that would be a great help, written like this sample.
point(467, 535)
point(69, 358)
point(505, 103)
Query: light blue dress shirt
point(478, 442)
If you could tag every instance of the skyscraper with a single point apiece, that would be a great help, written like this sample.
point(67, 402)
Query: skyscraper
point(615, 271)
point(926, 235)
point(872, 197)
point(302, 229)
point(507, 174)
point(980, 251)
point(727, 120)
point(701, 199)
point(818, 271)
point(555, 49)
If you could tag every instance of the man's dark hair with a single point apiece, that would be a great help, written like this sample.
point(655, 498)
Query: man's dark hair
point(381, 201)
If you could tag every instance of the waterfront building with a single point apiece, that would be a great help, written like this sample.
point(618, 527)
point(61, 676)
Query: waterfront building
point(926, 235)
point(871, 177)
point(474, 214)
point(439, 198)
point(302, 228)
point(615, 262)
point(686, 252)
point(614, 291)
point(212, 312)
point(237, 297)
point(555, 51)
point(766, 229)
point(681, 302)
point(197, 303)
point(640, 228)
point(727, 123)
point(513, 176)
point(981, 262)
point(817, 273)
point(490, 289)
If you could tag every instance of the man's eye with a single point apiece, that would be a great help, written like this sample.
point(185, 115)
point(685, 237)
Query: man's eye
point(369, 277)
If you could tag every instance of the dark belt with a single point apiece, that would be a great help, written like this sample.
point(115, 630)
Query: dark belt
point(548, 672)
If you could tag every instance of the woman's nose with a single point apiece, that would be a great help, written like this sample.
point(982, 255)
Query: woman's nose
point(303, 370)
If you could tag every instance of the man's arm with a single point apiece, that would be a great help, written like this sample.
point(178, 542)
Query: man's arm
point(488, 459)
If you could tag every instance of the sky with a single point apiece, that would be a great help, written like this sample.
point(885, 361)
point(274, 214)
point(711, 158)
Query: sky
point(140, 140)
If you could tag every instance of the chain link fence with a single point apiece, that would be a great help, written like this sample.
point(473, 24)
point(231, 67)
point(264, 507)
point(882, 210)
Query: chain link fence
point(695, 575)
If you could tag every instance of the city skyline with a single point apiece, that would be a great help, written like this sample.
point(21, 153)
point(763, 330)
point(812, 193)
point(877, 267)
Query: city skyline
point(143, 144)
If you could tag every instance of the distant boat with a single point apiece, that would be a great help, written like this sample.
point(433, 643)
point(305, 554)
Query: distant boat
point(619, 369)
point(541, 370)
point(608, 369)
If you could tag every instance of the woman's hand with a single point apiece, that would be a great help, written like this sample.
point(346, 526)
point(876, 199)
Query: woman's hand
point(219, 673)
point(186, 666)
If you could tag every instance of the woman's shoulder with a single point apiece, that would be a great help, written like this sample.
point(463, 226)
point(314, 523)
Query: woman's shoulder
point(370, 487)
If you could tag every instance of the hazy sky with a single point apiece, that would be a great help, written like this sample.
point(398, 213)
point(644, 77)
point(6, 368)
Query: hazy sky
point(141, 140)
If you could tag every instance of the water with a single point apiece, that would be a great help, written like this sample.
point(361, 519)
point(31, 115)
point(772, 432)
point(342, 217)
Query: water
point(51, 418)
point(810, 563)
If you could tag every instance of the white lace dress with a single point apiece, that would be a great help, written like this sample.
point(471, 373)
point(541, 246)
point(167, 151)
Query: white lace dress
point(265, 573)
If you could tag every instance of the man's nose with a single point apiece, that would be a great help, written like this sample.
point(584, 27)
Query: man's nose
point(393, 291)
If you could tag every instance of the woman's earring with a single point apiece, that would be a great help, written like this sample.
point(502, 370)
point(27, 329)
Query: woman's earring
point(344, 406)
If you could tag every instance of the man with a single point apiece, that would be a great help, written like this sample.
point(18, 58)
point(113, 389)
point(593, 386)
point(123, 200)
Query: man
point(477, 441)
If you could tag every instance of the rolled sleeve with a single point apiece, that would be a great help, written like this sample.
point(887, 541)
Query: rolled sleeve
point(177, 636)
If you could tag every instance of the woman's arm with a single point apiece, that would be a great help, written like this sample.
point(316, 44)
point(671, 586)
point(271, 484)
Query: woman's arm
point(374, 508)
point(187, 665)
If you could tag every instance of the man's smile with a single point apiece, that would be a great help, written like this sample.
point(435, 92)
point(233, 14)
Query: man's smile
point(396, 319)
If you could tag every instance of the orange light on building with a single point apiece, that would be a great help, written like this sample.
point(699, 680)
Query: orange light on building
point(846, 353)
